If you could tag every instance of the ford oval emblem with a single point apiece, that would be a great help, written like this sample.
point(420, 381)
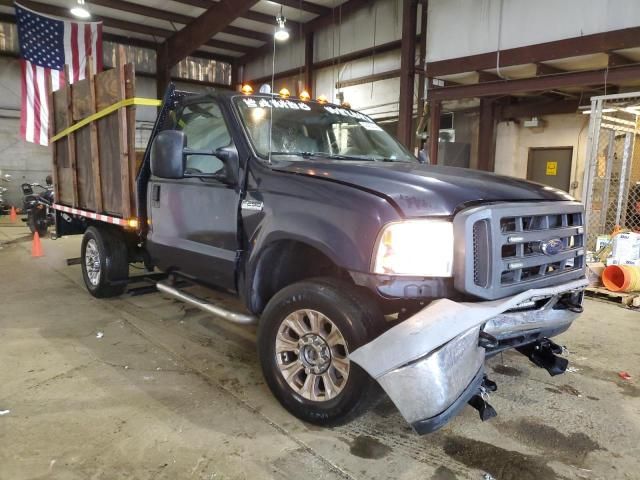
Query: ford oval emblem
point(552, 247)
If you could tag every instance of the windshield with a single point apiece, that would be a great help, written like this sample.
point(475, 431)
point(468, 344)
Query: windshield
point(319, 130)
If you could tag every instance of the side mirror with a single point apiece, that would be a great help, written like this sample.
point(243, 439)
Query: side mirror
point(27, 189)
point(167, 154)
point(229, 158)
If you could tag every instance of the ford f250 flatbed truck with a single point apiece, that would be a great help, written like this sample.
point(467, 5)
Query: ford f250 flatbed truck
point(359, 264)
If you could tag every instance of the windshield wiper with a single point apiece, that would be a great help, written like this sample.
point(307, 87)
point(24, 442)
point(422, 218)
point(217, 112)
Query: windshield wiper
point(389, 159)
point(332, 156)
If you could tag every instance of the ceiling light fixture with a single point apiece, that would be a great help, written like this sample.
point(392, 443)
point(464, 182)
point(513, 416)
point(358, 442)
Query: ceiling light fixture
point(80, 11)
point(281, 34)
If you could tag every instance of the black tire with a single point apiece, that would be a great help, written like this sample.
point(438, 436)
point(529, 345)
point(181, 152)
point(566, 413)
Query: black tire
point(113, 259)
point(358, 319)
point(37, 221)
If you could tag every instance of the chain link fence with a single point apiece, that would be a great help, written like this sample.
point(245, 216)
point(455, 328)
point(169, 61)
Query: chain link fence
point(611, 191)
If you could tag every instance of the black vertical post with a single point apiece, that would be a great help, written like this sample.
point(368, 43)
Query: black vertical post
point(407, 72)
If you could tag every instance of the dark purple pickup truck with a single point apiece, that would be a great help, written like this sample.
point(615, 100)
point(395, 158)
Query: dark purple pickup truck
point(361, 266)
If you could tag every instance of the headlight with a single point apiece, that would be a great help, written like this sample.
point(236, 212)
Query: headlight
point(420, 248)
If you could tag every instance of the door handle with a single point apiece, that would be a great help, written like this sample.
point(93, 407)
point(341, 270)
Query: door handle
point(155, 195)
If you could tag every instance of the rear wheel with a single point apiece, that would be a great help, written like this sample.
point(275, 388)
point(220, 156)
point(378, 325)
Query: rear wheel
point(37, 221)
point(105, 264)
point(305, 336)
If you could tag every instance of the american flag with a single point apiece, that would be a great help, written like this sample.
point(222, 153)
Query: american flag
point(46, 45)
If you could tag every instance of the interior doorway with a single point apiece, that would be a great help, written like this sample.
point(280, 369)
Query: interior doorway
point(551, 166)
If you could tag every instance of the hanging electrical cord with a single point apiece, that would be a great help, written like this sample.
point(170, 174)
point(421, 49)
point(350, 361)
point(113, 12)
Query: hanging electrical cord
point(333, 49)
point(373, 50)
point(273, 81)
point(280, 21)
point(303, 63)
point(337, 59)
point(499, 42)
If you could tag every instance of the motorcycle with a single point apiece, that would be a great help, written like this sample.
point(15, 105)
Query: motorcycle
point(37, 206)
point(4, 207)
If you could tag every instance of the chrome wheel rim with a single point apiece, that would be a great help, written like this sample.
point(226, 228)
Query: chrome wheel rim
point(92, 262)
point(312, 355)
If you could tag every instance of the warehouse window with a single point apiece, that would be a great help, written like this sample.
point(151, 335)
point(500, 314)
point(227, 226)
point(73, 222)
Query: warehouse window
point(8, 38)
point(144, 59)
point(203, 70)
point(191, 68)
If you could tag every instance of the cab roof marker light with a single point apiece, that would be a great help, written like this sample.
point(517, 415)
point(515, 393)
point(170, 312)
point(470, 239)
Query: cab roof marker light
point(285, 93)
point(322, 99)
point(132, 223)
point(304, 96)
point(247, 89)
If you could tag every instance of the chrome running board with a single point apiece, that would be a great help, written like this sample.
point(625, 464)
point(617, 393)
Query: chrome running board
point(234, 317)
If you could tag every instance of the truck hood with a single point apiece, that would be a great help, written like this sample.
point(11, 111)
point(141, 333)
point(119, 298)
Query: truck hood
point(418, 190)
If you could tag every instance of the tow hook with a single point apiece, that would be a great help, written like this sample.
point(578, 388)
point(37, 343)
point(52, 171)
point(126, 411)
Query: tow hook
point(544, 353)
point(568, 304)
point(487, 341)
point(480, 400)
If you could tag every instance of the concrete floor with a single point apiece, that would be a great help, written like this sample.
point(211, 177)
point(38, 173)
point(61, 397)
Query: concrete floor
point(169, 392)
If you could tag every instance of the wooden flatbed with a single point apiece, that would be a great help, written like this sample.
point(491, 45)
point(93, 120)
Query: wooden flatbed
point(95, 162)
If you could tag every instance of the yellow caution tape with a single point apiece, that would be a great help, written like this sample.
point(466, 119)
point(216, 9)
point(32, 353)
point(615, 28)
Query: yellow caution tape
point(147, 102)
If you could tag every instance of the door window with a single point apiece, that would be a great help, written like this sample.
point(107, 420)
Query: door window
point(205, 129)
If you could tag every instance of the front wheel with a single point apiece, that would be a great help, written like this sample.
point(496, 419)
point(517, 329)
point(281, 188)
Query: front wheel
point(304, 339)
point(105, 264)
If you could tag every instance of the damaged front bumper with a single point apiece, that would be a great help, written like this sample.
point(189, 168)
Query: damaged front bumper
point(432, 364)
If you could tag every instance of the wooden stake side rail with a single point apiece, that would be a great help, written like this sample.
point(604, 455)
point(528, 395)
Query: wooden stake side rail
point(93, 143)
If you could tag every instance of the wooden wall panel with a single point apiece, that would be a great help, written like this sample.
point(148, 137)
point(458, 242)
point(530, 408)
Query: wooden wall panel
point(108, 92)
point(130, 92)
point(95, 166)
point(65, 174)
point(81, 108)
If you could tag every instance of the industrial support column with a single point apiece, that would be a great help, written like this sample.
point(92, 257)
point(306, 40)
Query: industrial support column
point(423, 56)
point(487, 135)
point(308, 63)
point(407, 72)
point(199, 31)
point(163, 70)
point(435, 109)
point(235, 76)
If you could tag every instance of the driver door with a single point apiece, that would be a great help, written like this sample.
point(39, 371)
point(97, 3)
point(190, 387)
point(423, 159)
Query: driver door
point(193, 226)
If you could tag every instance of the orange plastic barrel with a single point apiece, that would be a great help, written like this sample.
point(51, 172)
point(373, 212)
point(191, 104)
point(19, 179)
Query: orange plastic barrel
point(634, 281)
point(621, 278)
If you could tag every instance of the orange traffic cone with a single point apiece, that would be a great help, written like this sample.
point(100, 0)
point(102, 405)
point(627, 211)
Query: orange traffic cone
point(36, 246)
point(13, 216)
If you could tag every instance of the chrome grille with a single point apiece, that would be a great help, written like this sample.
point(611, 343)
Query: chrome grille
point(518, 246)
point(480, 244)
point(521, 246)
